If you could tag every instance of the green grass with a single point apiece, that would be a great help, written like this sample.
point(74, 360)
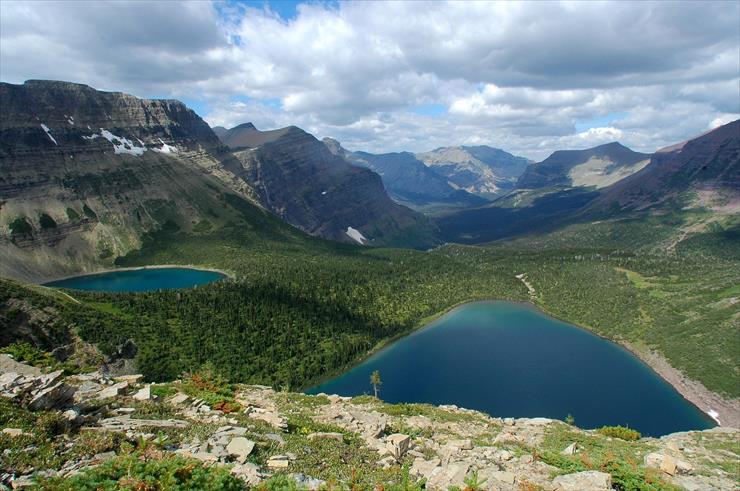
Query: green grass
point(148, 470)
point(622, 459)
point(46, 445)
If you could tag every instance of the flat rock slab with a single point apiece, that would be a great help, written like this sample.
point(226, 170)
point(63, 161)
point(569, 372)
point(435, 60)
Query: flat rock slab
point(127, 423)
point(8, 364)
point(240, 447)
point(449, 475)
point(584, 481)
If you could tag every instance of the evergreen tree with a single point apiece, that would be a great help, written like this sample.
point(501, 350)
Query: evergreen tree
point(376, 382)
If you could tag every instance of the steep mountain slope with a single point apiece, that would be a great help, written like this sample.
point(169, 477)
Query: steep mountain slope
point(408, 180)
point(85, 174)
point(517, 213)
point(594, 167)
point(299, 179)
point(220, 131)
point(477, 169)
point(708, 166)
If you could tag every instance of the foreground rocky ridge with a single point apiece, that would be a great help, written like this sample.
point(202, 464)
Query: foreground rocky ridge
point(258, 434)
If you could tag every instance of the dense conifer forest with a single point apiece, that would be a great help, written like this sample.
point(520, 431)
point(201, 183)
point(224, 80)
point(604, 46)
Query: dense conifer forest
point(295, 312)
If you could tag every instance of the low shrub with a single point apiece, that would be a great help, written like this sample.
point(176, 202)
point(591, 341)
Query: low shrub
point(620, 432)
point(207, 384)
point(46, 222)
point(30, 354)
point(148, 471)
point(51, 424)
point(153, 410)
point(72, 214)
point(20, 226)
point(89, 213)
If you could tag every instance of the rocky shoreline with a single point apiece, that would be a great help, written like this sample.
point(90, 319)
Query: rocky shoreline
point(725, 412)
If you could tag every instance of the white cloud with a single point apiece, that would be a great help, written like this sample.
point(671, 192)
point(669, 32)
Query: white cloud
point(515, 75)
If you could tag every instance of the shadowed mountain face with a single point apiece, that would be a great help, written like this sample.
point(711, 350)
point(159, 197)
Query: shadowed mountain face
point(408, 180)
point(708, 165)
point(86, 173)
point(594, 167)
point(302, 181)
point(477, 169)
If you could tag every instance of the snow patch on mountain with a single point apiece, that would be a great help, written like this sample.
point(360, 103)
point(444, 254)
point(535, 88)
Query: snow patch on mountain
point(165, 148)
point(121, 145)
point(48, 133)
point(356, 235)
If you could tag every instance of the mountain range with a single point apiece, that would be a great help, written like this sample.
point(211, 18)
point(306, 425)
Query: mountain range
point(572, 187)
point(482, 170)
point(87, 174)
point(408, 180)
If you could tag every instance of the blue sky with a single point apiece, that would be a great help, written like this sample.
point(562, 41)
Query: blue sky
point(599, 121)
point(286, 9)
point(528, 77)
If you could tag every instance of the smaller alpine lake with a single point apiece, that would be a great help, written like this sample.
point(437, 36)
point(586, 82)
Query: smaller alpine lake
point(140, 280)
point(511, 360)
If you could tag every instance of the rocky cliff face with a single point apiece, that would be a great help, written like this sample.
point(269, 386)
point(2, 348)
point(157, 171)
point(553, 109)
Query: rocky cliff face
point(477, 169)
point(85, 173)
point(594, 167)
point(408, 180)
point(298, 178)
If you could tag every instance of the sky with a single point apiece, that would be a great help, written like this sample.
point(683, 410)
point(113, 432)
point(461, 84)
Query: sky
point(527, 77)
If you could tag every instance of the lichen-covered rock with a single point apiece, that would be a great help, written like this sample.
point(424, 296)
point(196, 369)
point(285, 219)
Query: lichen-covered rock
point(240, 448)
point(584, 481)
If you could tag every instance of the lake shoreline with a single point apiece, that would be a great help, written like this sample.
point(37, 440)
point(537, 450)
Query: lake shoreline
point(724, 412)
point(227, 274)
point(424, 323)
point(715, 407)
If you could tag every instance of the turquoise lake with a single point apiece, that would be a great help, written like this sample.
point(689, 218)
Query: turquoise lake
point(511, 360)
point(140, 280)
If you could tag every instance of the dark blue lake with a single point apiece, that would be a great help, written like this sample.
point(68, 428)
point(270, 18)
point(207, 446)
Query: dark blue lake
point(509, 359)
point(140, 280)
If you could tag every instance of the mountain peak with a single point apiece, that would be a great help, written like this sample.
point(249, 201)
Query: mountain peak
point(477, 169)
point(245, 126)
point(334, 146)
point(614, 144)
point(597, 166)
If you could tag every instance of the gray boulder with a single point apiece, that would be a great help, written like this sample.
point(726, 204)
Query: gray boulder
point(584, 481)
